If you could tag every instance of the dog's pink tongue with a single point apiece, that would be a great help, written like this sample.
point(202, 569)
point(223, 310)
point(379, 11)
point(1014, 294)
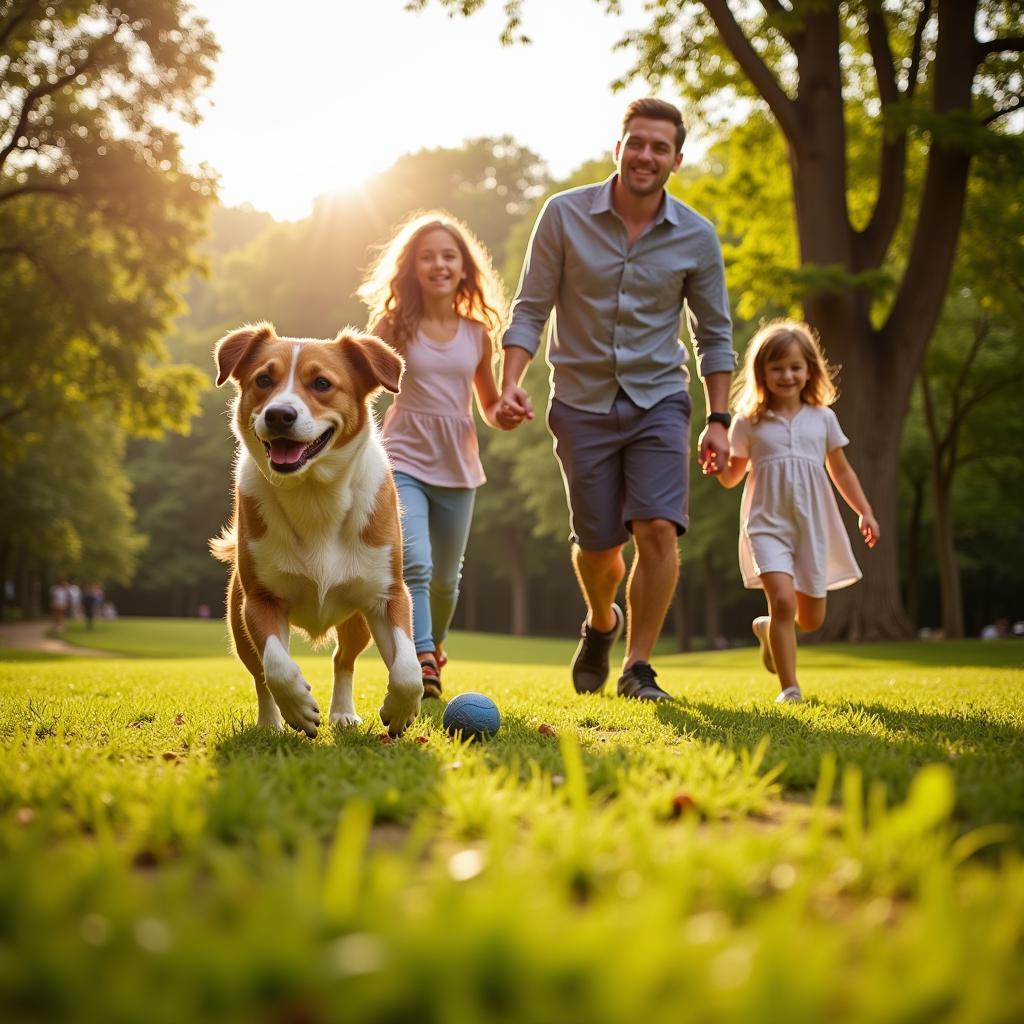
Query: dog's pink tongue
point(285, 452)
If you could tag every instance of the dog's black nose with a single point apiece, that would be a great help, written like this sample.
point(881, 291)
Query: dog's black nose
point(278, 416)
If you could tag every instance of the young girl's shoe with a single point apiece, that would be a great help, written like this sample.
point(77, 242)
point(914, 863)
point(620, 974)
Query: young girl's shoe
point(790, 695)
point(431, 675)
point(760, 629)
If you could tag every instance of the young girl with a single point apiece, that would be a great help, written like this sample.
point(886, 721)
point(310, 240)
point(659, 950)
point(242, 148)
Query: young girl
point(434, 296)
point(792, 539)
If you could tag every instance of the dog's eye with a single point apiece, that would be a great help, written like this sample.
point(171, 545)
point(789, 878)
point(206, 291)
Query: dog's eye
point(264, 380)
point(321, 384)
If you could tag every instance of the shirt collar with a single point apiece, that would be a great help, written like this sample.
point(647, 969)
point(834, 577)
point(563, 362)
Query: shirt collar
point(603, 203)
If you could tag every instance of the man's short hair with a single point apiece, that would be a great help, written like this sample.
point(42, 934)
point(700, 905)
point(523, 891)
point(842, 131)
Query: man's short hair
point(656, 110)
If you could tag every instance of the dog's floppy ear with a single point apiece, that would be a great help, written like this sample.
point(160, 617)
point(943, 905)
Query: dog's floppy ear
point(233, 348)
point(373, 359)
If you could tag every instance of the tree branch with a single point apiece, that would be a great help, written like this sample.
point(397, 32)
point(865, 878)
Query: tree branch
point(774, 8)
point(38, 262)
point(923, 17)
point(41, 90)
point(874, 240)
point(881, 57)
point(760, 75)
point(1015, 104)
point(64, 191)
point(1007, 44)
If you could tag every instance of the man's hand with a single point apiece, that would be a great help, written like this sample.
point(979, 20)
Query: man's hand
point(713, 450)
point(514, 406)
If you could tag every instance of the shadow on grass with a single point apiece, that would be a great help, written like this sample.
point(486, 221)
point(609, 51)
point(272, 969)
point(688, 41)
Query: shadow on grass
point(939, 653)
point(281, 788)
point(888, 745)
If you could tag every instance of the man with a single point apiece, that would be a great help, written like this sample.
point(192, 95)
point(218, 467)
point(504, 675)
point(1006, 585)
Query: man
point(617, 261)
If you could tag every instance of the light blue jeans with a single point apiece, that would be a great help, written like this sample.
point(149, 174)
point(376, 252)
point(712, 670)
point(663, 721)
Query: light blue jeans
point(435, 529)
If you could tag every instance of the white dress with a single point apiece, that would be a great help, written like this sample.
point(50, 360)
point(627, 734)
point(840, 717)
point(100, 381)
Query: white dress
point(789, 519)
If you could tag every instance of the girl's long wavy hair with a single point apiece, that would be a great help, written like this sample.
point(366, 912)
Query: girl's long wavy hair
point(392, 294)
point(771, 342)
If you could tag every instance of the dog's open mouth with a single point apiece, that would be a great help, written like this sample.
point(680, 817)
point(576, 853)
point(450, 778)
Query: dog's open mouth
point(288, 455)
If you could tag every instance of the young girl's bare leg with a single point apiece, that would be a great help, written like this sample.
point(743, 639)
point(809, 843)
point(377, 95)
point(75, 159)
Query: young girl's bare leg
point(810, 612)
point(782, 608)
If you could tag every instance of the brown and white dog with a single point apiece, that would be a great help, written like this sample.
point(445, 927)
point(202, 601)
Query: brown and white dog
point(315, 541)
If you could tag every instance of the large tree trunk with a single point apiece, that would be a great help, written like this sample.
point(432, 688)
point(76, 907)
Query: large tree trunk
point(681, 613)
point(945, 554)
point(712, 603)
point(871, 410)
point(519, 586)
point(912, 583)
point(879, 367)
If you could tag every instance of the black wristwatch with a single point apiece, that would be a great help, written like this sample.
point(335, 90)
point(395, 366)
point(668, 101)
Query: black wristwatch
point(719, 417)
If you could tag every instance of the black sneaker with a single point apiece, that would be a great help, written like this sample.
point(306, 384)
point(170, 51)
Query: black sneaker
point(589, 664)
point(637, 683)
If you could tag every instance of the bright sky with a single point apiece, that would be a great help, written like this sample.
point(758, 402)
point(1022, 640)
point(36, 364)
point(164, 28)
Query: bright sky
point(314, 96)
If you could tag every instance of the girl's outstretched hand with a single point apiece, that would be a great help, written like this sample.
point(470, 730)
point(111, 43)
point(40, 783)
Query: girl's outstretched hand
point(868, 526)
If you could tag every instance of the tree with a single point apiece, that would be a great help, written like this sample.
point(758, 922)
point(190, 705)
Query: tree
point(67, 509)
point(945, 74)
point(974, 367)
point(98, 216)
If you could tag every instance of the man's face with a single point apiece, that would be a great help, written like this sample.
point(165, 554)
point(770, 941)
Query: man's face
point(646, 155)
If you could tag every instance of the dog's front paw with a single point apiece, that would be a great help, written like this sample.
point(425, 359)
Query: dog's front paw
point(346, 719)
point(292, 694)
point(401, 705)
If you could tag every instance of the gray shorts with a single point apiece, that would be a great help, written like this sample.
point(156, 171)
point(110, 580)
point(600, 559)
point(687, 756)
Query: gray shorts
point(626, 464)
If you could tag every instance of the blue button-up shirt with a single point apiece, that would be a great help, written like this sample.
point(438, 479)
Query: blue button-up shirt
point(618, 308)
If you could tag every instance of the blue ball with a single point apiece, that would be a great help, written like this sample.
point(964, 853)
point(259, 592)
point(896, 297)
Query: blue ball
point(473, 715)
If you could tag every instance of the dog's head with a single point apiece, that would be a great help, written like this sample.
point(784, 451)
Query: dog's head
point(301, 400)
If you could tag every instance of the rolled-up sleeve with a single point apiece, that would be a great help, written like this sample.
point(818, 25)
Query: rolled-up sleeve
point(539, 283)
point(707, 304)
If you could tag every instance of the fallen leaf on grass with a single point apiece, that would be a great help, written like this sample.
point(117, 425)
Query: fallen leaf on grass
point(546, 730)
point(681, 803)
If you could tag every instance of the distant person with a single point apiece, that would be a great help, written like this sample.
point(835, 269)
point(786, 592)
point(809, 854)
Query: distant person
point(92, 601)
point(435, 297)
point(203, 611)
point(619, 262)
point(59, 599)
point(792, 540)
point(74, 601)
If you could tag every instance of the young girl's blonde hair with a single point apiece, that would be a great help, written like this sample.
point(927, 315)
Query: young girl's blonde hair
point(392, 293)
point(771, 342)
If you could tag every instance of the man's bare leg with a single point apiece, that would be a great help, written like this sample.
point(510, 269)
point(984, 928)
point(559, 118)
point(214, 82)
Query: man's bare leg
point(599, 574)
point(651, 587)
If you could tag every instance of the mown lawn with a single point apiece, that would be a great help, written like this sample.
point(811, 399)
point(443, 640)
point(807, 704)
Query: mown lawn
point(857, 858)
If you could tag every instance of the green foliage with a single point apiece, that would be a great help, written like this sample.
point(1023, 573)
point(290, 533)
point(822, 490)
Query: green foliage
point(98, 215)
point(67, 503)
point(98, 223)
point(667, 864)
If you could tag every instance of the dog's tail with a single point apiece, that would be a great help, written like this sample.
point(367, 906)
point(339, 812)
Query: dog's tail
point(225, 546)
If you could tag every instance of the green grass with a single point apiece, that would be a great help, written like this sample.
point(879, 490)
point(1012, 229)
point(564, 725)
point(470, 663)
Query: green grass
point(857, 858)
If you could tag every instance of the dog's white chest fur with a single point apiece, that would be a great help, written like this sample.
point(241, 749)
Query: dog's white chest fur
point(311, 556)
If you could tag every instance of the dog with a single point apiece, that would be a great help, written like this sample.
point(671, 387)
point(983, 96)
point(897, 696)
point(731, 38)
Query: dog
point(315, 540)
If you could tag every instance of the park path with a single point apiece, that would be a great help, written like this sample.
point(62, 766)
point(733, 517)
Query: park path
point(33, 636)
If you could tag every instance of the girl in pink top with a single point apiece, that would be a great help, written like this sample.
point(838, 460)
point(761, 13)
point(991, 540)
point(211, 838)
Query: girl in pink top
point(434, 295)
point(792, 539)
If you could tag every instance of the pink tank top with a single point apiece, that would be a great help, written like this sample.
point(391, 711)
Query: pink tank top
point(429, 431)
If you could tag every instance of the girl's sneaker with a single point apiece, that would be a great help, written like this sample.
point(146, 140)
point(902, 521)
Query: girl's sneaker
point(790, 695)
point(760, 630)
point(431, 675)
